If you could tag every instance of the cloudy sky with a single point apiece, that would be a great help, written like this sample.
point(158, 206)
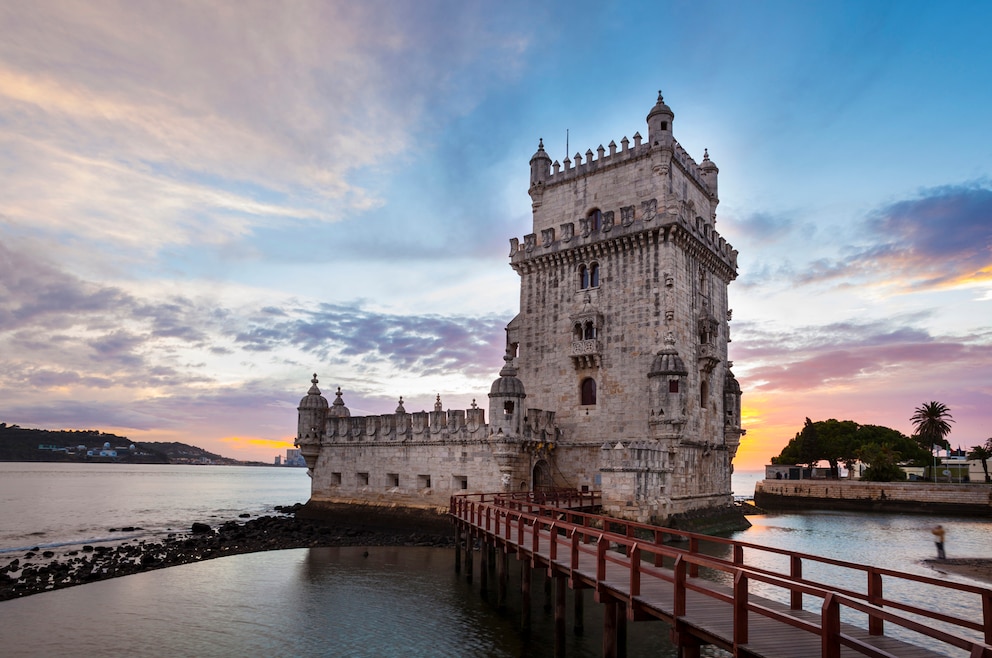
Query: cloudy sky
point(203, 203)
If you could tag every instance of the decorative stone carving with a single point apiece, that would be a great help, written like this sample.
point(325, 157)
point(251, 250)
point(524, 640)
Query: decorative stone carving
point(608, 221)
point(567, 231)
point(627, 215)
point(649, 209)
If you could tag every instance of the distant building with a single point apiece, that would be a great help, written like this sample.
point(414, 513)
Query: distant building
point(615, 376)
point(278, 461)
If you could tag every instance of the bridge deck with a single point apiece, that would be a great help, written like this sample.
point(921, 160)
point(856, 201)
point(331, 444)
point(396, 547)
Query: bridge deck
point(622, 568)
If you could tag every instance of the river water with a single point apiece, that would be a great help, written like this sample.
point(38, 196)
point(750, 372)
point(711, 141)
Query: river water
point(338, 601)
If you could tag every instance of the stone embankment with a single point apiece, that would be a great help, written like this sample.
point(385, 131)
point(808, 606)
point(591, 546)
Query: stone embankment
point(913, 497)
point(39, 571)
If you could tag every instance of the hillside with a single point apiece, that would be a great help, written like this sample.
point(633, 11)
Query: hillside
point(37, 445)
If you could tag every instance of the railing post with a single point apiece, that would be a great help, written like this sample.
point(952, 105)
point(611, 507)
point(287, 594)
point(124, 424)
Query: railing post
point(635, 570)
point(876, 625)
point(830, 627)
point(796, 571)
point(740, 609)
point(601, 547)
point(693, 550)
point(489, 513)
point(553, 546)
point(678, 605)
point(987, 615)
point(658, 540)
point(738, 555)
point(520, 531)
point(574, 558)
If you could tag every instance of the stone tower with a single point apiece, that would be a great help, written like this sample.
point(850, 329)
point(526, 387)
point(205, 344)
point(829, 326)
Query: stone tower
point(624, 323)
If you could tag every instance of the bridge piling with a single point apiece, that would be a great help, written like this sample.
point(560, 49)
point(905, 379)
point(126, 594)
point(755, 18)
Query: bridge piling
point(525, 582)
point(578, 604)
point(484, 568)
point(560, 585)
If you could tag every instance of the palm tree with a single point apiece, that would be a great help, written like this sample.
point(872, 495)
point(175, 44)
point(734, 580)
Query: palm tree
point(932, 422)
point(984, 454)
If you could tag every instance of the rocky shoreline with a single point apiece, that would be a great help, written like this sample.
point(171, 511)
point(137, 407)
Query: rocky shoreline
point(40, 571)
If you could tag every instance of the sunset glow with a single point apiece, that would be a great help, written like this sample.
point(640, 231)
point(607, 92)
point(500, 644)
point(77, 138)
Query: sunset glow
point(204, 204)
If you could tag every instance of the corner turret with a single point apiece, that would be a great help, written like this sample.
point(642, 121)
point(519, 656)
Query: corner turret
point(540, 171)
point(708, 170)
point(312, 416)
point(660, 120)
point(506, 402)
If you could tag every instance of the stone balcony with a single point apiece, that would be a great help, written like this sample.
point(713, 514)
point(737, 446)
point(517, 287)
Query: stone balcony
point(586, 353)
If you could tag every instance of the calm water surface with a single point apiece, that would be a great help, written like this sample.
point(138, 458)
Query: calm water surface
point(336, 601)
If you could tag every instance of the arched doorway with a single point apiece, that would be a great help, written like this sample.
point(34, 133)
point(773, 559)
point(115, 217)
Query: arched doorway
point(542, 476)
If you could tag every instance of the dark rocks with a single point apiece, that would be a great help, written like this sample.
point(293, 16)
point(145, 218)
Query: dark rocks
point(349, 527)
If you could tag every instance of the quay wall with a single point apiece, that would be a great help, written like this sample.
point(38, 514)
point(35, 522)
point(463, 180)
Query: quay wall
point(854, 495)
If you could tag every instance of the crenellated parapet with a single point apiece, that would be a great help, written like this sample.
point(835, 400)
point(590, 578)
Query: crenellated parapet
point(461, 425)
point(621, 228)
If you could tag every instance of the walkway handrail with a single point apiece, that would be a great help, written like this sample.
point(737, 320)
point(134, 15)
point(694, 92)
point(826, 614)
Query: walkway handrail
point(547, 522)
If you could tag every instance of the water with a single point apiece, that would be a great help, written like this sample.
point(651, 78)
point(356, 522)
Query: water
point(336, 601)
point(49, 505)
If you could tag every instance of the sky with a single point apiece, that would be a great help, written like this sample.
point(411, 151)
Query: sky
point(204, 203)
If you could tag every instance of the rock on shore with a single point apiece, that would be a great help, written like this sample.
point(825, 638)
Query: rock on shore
point(32, 572)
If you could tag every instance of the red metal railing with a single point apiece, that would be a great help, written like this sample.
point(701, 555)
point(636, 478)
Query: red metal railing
point(511, 517)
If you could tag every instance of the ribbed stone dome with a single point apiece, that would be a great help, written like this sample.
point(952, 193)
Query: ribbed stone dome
point(668, 361)
point(338, 410)
point(507, 385)
point(661, 108)
point(730, 383)
point(313, 398)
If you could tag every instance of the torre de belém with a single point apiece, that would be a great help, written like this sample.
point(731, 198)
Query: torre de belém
point(615, 376)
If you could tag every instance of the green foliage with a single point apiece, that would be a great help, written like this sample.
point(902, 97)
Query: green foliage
point(932, 422)
point(845, 441)
point(883, 463)
point(983, 453)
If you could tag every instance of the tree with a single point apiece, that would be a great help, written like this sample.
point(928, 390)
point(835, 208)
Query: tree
point(932, 422)
point(983, 453)
point(882, 462)
point(843, 441)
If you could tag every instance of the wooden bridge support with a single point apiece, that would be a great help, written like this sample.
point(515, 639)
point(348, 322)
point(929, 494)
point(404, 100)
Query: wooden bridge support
point(502, 576)
point(547, 591)
point(458, 548)
point(561, 586)
point(469, 541)
point(578, 603)
point(484, 569)
point(525, 581)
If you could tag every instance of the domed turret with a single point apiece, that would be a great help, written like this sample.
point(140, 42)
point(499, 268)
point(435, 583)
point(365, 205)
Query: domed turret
point(540, 170)
point(660, 120)
point(667, 390)
point(506, 398)
point(709, 171)
point(313, 414)
point(338, 410)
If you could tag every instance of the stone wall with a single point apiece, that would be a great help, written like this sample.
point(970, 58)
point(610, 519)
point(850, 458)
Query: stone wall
point(913, 497)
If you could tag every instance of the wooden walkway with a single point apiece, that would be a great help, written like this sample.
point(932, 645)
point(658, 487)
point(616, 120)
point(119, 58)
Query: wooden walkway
point(638, 574)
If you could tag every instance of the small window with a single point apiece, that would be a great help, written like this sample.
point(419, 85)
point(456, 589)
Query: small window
point(577, 331)
point(393, 479)
point(460, 482)
point(363, 479)
point(704, 393)
point(583, 277)
point(673, 386)
point(590, 331)
point(588, 391)
point(336, 478)
point(508, 408)
point(594, 275)
point(664, 125)
point(423, 481)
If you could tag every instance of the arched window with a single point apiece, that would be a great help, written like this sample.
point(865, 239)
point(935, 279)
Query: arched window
point(577, 331)
point(588, 391)
point(590, 331)
point(583, 277)
point(595, 220)
point(704, 394)
point(594, 275)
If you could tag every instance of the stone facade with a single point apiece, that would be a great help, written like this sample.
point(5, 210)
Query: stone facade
point(616, 375)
